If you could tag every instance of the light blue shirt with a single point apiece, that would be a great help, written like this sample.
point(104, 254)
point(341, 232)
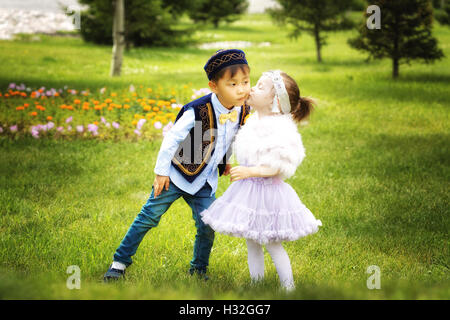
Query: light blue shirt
point(177, 134)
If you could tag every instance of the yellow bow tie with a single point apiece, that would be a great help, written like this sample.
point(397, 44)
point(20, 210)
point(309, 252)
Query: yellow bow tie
point(232, 116)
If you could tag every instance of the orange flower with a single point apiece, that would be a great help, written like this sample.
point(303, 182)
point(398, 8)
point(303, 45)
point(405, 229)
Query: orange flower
point(34, 113)
point(149, 90)
point(108, 100)
point(98, 107)
point(69, 107)
point(147, 108)
point(77, 101)
point(26, 105)
point(156, 109)
point(56, 94)
point(6, 95)
point(95, 122)
point(23, 94)
point(113, 94)
point(20, 108)
point(49, 118)
point(96, 102)
point(126, 106)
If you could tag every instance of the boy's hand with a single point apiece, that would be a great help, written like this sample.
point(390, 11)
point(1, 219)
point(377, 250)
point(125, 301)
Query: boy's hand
point(159, 184)
point(227, 169)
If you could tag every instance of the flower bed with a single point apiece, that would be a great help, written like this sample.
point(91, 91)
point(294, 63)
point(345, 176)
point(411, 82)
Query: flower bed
point(133, 113)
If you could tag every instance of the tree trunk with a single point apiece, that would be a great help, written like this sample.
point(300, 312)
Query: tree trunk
point(118, 37)
point(395, 68)
point(317, 38)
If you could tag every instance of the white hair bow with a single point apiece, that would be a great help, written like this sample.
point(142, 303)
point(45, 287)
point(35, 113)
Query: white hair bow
point(281, 97)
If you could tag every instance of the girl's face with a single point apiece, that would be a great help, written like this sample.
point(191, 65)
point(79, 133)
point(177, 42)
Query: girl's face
point(261, 95)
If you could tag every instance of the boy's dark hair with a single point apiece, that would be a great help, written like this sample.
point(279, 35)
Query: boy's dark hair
point(301, 107)
point(233, 70)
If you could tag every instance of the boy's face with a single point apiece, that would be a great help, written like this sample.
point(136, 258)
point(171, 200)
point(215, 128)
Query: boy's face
point(232, 91)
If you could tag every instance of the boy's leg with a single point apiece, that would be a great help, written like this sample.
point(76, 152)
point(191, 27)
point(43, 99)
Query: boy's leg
point(148, 218)
point(204, 238)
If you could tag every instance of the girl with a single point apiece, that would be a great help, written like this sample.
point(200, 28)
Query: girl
point(259, 206)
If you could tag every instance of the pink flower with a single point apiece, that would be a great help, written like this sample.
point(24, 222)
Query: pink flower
point(140, 124)
point(115, 125)
point(137, 132)
point(80, 128)
point(60, 129)
point(50, 125)
point(69, 128)
point(93, 129)
point(1, 129)
point(35, 134)
point(102, 90)
point(13, 128)
point(69, 119)
point(158, 125)
point(103, 120)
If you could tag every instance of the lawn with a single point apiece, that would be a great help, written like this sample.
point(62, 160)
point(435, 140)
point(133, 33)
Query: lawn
point(376, 174)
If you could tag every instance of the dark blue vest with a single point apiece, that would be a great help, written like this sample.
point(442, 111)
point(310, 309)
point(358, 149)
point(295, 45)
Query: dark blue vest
point(194, 153)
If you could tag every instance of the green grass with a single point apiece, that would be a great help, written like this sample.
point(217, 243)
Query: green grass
point(376, 174)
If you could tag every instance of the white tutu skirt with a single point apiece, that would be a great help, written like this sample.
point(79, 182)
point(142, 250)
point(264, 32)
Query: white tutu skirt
point(262, 209)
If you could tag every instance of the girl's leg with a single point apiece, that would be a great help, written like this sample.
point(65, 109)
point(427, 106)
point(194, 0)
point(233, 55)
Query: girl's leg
point(282, 263)
point(255, 260)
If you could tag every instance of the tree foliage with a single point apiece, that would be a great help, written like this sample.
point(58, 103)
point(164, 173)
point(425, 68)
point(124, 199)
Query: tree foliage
point(147, 22)
point(215, 11)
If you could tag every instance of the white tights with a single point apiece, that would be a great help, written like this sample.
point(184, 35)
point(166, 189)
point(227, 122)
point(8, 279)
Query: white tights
point(279, 258)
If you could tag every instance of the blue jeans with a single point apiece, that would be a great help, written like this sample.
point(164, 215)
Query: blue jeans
point(149, 218)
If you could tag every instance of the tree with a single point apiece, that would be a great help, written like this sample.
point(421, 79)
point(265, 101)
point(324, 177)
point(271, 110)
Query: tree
point(147, 22)
point(118, 37)
point(215, 11)
point(443, 13)
point(405, 33)
point(314, 17)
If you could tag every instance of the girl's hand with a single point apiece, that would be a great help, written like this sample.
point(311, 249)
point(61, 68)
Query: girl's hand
point(240, 172)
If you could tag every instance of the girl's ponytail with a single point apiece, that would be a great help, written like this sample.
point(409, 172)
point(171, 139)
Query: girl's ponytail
point(301, 107)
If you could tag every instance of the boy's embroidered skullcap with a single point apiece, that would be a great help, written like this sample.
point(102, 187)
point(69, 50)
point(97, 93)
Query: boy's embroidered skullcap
point(224, 58)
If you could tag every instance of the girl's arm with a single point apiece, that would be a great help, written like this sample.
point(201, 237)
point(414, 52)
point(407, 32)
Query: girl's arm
point(241, 172)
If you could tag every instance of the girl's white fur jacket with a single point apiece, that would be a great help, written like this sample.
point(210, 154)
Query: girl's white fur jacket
point(271, 141)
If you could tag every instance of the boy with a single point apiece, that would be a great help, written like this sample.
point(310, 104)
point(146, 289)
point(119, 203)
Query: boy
point(191, 153)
